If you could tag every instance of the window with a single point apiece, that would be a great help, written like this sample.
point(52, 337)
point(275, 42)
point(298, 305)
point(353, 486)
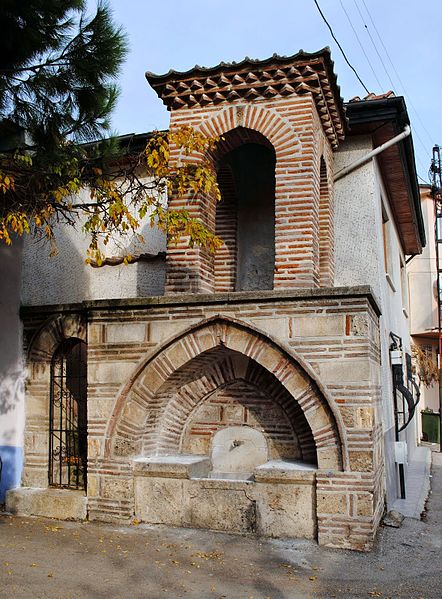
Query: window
point(68, 416)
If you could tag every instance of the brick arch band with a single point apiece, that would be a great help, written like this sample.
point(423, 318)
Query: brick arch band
point(278, 131)
point(147, 400)
point(52, 333)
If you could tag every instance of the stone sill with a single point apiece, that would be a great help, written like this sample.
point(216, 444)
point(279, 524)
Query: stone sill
point(211, 298)
point(198, 468)
point(181, 466)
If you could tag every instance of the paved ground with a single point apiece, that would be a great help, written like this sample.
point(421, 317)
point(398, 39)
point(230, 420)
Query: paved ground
point(50, 559)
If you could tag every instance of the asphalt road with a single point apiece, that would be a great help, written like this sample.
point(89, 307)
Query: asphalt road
point(42, 558)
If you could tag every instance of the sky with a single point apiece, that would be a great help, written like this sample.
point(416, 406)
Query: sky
point(392, 44)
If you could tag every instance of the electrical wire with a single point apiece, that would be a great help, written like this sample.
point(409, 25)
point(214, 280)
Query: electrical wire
point(340, 47)
point(415, 131)
point(379, 56)
point(396, 73)
point(374, 45)
point(361, 45)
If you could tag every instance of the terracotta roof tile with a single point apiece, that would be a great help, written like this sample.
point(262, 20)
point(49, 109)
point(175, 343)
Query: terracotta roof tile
point(373, 96)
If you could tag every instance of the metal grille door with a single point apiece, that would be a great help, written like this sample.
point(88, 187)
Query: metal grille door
point(68, 416)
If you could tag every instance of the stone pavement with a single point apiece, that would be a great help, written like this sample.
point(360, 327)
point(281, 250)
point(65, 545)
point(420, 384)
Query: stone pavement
point(42, 558)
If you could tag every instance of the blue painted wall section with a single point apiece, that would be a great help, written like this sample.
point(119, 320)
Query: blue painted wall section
point(12, 458)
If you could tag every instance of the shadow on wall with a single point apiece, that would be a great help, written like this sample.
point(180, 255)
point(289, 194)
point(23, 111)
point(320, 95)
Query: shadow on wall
point(61, 279)
point(151, 272)
point(11, 390)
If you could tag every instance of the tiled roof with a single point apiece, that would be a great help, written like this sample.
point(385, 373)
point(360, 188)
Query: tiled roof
point(250, 79)
point(373, 96)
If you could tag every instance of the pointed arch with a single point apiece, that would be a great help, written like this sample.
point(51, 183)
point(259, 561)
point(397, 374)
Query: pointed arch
point(146, 399)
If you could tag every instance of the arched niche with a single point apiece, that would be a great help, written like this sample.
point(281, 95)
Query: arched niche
point(151, 413)
point(245, 216)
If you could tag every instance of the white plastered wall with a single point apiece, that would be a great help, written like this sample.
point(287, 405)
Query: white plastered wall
point(66, 278)
point(11, 367)
point(360, 200)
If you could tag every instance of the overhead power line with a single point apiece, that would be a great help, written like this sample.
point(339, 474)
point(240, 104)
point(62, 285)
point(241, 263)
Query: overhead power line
point(396, 73)
point(340, 47)
point(361, 45)
point(374, 45)
point(414, 129)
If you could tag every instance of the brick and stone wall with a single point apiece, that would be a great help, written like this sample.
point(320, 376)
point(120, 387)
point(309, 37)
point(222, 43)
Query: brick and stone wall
point(292, 127)
point(165, 374)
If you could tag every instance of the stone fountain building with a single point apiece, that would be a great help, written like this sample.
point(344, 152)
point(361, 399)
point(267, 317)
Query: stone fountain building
point(241, 392)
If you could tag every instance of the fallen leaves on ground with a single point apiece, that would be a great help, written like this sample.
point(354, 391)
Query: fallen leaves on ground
point(210, 555)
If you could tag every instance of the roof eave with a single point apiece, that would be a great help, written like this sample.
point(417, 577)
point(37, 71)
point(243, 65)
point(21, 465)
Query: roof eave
point(362, 117)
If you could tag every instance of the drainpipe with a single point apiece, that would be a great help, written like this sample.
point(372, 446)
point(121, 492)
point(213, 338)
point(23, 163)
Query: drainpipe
point(357, 163)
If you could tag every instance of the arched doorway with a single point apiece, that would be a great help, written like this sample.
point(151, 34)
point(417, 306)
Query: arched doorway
point(68, 416)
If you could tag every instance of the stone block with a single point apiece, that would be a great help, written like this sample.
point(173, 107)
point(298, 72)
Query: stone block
point(92, 485)
point(365, 417)
point(329, 458)
point(207, 413)
point(238, 340)
point(177, 355)
point(317, 418)
point(332, 325)
point(270, 358)
point(286, 510)
point(127, 332)
point(233, 414)
point(275, 327)
point(99, 408)
point(285, 471)
point(134, 412)
point(167, 329)
point(62, 504)
point(359, 325)
point(331, 503)
point(35, 477)
point(125, 447)
point(361, 461)
point(110, 372)
point(116, 487)
point(348, 416)
point(296, 383)
point(197, 445)
point(348, 371)
point(365, 504)
point(219, 507)
point(160, 501)
point(152, 379)
point(95, 334)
